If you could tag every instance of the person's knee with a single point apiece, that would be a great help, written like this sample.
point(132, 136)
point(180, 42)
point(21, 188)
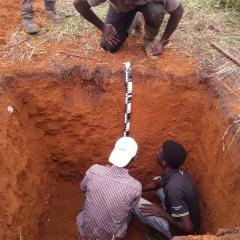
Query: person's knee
point(155, 16)
point(108, 47)
point(155, 20)
point(77, 3)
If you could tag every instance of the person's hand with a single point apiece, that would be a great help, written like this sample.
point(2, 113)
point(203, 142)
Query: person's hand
point(157, 48)
point(110, 34)
point(152, 210)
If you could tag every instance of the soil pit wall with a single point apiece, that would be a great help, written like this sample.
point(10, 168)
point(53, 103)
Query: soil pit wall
point(64, 122)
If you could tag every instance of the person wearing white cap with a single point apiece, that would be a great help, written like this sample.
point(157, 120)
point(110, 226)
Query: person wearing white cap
point(111, 195)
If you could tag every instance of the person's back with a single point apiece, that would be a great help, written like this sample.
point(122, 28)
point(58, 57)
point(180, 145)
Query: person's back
point(111, 195)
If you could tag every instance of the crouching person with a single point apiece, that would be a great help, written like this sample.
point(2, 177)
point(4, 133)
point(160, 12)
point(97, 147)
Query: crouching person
point(111, 195)
point(178, 214)
point(120, 19)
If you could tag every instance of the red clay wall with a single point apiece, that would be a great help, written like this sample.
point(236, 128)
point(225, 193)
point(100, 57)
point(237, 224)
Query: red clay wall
point(71, 120)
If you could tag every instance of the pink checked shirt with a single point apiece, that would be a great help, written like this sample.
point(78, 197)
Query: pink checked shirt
point(111, 195)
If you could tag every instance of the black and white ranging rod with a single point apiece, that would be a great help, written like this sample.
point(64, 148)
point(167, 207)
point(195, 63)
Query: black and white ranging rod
point(128, 98)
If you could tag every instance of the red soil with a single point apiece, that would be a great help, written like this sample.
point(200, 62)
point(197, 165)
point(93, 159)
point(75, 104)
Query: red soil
point(10, 17)
point(67, 117)
point(64, 122)
point(10, 21)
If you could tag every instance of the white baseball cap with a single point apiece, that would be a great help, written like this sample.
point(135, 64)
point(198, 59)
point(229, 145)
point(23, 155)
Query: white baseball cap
point(125, 149)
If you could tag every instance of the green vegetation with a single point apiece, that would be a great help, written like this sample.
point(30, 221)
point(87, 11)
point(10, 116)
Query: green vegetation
point(233, 4)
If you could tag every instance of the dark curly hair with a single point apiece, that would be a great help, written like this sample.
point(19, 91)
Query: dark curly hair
point(173, 153)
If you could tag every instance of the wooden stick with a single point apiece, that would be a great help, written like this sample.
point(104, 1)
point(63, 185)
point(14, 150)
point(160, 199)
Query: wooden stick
point(227, 54)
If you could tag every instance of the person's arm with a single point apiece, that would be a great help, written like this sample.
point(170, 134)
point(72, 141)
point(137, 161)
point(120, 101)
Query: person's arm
point(88, 176)
point(172, 24)
point(136, 197)
point(179, 215)
point(152, 185)
point(183, 223)
point(109, 32)
point(84, 8)
point(84, 182)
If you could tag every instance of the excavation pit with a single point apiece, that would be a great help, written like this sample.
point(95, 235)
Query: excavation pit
point(63, 122)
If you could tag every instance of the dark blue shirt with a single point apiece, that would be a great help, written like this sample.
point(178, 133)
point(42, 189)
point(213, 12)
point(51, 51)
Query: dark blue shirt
point(181, 198)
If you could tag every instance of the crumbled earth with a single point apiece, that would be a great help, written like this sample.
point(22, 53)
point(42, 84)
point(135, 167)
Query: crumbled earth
point(222, 234)
point(68, 109)
point(9, 18)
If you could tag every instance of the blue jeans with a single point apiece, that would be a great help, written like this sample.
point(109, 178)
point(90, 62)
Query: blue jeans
point(158, 223)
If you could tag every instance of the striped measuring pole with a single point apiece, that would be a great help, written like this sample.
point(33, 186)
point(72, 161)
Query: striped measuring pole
point(128, 97)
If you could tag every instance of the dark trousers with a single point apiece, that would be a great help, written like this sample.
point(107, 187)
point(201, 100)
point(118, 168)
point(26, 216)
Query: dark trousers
point(153, 15)
point(27, 8)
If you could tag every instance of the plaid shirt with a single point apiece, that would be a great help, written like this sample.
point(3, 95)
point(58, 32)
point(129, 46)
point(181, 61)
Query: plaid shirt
point(111, 195)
